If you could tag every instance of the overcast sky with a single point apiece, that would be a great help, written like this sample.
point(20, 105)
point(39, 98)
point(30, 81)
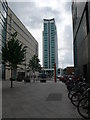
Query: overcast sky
point(32, 12)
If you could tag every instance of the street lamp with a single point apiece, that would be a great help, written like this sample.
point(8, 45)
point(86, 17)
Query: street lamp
point(25, 62)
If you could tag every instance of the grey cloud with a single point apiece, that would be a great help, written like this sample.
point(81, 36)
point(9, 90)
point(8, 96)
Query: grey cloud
point(27, 13)
point(22, 10)
point(67, 59)
point(67, 50)
point(67, 6)
point(64, 49)
point(40, 13)
point(31, 15)
point(35, 22)
point(20, 7)
point(49, 10)
point(68, 37)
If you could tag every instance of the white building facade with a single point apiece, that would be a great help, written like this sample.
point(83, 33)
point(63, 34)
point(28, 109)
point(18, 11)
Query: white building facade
point(24, 36)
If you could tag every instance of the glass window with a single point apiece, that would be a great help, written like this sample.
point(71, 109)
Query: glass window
point(0, 28)
point(0, 40)
point(75, 52)
point(82, 30)
point(89, 14)
point(0, 6)
point(3, 11)
point(0, 49)
point(4, 4)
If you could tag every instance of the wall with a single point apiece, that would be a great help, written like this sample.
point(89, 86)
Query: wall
point(23, 35)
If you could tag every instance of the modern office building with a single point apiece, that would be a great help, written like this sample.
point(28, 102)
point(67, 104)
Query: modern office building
point(23, 35)
point(11, 23)
point(81, 37)
point(50, 47)
point(3, 29)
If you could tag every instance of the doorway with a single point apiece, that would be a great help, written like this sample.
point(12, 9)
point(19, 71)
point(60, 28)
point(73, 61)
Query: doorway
point(85, 71)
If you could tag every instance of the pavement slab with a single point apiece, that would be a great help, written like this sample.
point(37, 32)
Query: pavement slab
point(36, 100)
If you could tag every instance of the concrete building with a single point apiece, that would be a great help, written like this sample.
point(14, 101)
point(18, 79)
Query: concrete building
point(14, 24)
point(81, 37)
point(50, 47)
point(23, 35)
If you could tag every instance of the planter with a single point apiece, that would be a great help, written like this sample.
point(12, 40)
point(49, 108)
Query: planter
point(43, 80)
point(19, 80)
point(27, 80)
point(11, 79)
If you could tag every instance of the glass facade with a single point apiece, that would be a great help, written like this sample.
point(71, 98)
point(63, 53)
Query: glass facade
point(81, 37)
point(3, 27)
point(45, 34)
point(52, 44)
point(49, 40)
point(75, 53)
point(82, 32)
point(89, 14)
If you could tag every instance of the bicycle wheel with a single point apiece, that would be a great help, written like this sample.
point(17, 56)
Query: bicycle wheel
point(75, 98)
point(83, 107)
point(70, 93)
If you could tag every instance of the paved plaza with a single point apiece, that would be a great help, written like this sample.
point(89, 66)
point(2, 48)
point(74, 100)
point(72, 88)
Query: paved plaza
point(37, 100)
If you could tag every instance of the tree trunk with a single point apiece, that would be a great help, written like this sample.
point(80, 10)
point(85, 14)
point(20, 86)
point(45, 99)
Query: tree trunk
point(11, 79)
point(13, 75)
point(33, 75)
point(11, 83)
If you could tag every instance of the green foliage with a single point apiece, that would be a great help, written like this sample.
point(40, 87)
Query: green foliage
point(13, 52)
point(34, 63)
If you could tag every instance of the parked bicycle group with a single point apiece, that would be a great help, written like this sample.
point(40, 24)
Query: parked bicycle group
point(79, 94)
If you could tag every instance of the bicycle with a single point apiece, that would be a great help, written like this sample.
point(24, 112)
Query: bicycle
point(78, 94)
point(83, 106)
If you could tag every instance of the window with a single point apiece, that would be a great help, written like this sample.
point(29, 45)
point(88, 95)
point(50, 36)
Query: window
point(88, 16)
point(74, 15)
point(0, 6)
point(0, 48)
point(82, 32)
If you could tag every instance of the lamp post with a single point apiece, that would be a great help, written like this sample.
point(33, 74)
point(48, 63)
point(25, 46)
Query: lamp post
point(55, 71)
point(25, 63)
point(25, 69)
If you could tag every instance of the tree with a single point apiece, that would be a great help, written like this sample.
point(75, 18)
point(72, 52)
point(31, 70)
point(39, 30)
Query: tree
point(13, 53)
point(34, 64)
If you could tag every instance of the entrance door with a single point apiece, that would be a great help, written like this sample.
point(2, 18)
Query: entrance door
point(85, 71)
